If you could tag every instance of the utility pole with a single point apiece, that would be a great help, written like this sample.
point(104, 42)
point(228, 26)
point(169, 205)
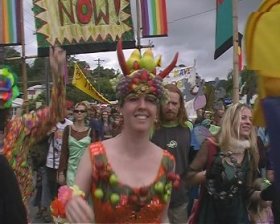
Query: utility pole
point(98, 74)
point(138, 25)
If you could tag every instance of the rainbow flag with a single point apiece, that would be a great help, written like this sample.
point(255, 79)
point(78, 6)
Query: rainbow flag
point(154, 18)
point(10, 29)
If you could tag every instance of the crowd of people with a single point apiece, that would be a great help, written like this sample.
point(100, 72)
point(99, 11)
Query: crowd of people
point(141, 161)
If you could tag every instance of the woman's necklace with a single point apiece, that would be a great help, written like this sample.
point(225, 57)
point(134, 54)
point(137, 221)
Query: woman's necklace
point(80, 128)
point(230, 190)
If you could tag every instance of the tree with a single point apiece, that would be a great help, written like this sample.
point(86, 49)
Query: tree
point(248, 83)
point(37, 72)
point(14, 65)
point(100, 78)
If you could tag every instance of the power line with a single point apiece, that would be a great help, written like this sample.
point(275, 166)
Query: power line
point(193, 15)
point(196, 14)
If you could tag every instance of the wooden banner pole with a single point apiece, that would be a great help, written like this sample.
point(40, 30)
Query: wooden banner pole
point(235, 75)
point(23, 64)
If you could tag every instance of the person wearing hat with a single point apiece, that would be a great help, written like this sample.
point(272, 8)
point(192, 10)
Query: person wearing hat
point(128, 177)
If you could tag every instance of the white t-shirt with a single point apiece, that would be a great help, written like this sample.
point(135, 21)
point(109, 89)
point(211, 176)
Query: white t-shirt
point(55, 145)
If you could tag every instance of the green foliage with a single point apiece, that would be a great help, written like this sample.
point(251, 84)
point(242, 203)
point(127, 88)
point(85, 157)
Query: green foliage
point(249, 81)
point(37, 72)
point(15, 65)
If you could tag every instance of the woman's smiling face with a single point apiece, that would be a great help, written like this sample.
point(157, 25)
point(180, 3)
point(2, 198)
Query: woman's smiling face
point(139, 112)
point(245, 126)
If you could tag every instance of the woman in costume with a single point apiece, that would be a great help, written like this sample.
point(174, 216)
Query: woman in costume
point(23, 131)
point(129, 178)
point(231, 162)
point(76, 138)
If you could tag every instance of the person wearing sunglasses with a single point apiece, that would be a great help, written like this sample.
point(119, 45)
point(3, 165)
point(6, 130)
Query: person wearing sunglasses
point(76, 139)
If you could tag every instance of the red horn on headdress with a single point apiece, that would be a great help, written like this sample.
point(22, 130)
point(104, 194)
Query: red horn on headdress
point(121, 59)
point(169, 68)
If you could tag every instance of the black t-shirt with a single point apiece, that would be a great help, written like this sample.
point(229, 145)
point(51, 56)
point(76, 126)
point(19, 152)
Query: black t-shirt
point(177, 141)
point(12, 209)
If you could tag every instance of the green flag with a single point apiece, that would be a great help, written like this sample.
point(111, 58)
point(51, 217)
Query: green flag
point(224, 27)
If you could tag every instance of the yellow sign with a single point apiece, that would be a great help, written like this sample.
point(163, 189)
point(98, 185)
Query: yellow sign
point(81, 82)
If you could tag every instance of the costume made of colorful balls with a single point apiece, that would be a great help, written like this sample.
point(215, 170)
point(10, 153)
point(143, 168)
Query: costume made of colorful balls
point(114, 202)
point(21, 132)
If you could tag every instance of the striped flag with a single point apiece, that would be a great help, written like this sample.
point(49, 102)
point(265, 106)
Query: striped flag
point(154, 18)
point(10, 29)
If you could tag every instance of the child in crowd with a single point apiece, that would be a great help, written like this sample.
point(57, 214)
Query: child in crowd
point(260, 211)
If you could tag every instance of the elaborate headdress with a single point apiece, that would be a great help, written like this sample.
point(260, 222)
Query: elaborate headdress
point(8, 91)
point(8, 88)
point(139, 74)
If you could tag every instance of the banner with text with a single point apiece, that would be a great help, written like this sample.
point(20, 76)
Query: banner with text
point(83, 26)
point(81, 82)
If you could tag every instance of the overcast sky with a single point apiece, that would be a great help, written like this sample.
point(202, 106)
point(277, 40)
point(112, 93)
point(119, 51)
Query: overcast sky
point(191, 32)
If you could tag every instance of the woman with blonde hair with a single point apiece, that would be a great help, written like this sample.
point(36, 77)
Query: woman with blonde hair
point(76, 139)
point(226, 166)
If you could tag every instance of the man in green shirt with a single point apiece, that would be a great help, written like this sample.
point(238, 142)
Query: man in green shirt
point(173, 134)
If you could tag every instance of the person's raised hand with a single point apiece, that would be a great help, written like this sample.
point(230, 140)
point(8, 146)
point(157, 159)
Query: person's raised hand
point(78, 211)
point(57, 62)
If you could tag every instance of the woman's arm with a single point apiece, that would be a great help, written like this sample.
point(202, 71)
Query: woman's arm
point(39, 123)
point(196, 173)
point(77, 209)
point(84, 173)
point(165, 216)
